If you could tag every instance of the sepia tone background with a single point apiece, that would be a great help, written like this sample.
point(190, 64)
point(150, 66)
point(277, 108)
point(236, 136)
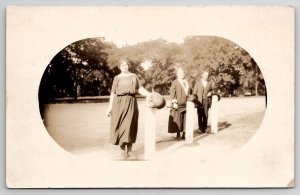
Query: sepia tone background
point(267, 33)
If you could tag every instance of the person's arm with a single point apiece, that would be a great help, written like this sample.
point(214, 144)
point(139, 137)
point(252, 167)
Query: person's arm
point(195, 88)
point(111, 99)
point(174, 102)
point(190, 91)
point(199, 92)
point(112, 95)
point(146, 93)
point(143, 91)
point(211, 88)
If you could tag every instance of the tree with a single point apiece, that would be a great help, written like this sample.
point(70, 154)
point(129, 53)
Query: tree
point(87, 67)
point(79, 69)
point(159, 52)
point(235, 70)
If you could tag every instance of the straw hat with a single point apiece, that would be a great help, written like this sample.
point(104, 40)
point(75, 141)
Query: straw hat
point(157, 100)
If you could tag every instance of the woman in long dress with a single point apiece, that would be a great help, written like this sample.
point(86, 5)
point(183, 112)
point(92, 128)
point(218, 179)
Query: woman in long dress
point(123, 108)
point(179, 91)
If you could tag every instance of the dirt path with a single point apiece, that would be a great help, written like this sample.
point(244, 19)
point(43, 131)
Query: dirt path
point(83, 129)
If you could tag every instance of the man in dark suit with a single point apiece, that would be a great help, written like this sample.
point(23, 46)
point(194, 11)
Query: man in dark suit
point(203, 90)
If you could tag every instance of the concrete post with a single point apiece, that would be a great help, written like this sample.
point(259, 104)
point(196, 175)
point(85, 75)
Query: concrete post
point(150, 128)
point(214, 114)
point(189, 123)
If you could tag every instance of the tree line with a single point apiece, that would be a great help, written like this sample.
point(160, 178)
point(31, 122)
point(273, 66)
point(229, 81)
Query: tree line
point(87, 67)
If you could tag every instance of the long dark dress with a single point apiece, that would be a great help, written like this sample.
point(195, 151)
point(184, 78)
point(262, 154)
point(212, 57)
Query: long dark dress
point(125, 113)
point(203, 101)
point(177, 116)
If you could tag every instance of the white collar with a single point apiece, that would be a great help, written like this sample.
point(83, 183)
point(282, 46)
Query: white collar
point(186, 88)
point(204, 83)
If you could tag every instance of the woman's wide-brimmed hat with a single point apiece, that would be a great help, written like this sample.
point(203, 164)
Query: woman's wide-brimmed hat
point(157, 100)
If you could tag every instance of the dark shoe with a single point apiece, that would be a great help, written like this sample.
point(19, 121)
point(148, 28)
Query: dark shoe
point(123, 146)
point(203, 130)
point(178, 136)
point(183, 135)
point(129, 154)
point(129, 151)
point(129, 147)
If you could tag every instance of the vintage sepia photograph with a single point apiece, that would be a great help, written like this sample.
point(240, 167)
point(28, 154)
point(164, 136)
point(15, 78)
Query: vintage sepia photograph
point(150, 97)
point(94, 94)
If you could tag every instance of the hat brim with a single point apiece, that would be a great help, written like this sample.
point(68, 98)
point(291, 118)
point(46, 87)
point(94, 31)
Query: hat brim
point(162, 105)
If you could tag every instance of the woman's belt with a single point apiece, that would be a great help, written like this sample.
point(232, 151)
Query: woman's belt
point(126, 94)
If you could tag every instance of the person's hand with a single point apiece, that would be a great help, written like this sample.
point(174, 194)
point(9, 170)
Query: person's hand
point(209, 94)
point(108, 113)
point(175, 105)
point(149, 101)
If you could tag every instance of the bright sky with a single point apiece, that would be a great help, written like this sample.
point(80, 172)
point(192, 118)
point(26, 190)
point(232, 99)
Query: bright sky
point(132, 40)
point(146, 64)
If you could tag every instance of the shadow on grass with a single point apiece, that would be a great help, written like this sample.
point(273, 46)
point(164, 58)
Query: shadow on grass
point(223, 125)
point(167, 142)
point(198, 136)
point(160, 145)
